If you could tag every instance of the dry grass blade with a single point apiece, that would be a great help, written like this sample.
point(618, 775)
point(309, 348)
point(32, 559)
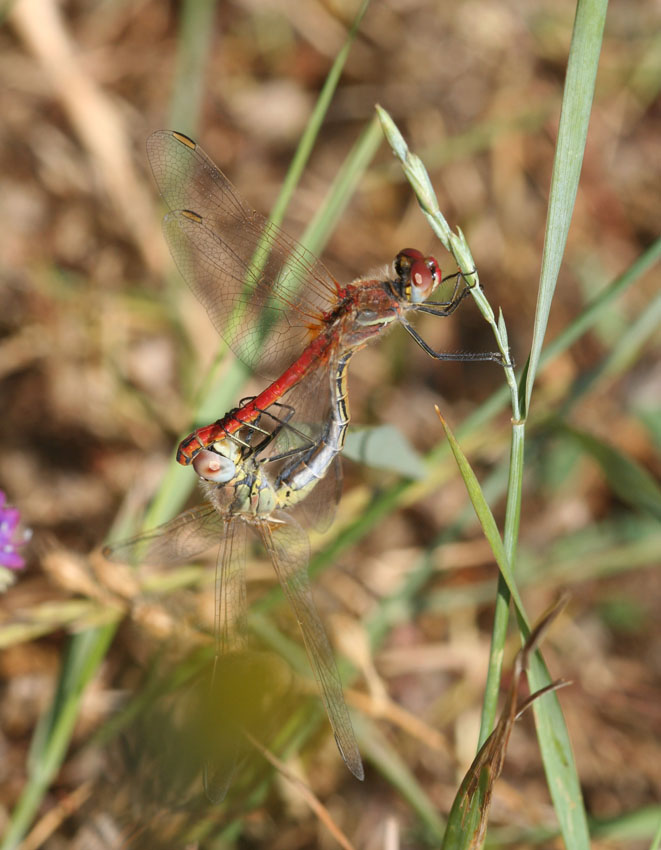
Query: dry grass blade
point(53, 818)
point(97, 122)
point(313, 802)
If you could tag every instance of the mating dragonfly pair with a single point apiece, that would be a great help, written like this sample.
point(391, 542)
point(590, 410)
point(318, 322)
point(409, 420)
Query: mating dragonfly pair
point(273, 462)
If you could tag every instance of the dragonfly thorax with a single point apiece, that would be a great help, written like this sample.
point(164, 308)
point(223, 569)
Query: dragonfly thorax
point(369, 308)
point(254, 496)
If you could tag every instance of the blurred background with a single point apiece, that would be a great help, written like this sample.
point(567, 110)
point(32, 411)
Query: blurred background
point(104, 351)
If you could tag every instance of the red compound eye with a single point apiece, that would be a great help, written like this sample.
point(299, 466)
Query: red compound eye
point(411, 254)
point(421, 276)
point(418, 275)
point(214, 467)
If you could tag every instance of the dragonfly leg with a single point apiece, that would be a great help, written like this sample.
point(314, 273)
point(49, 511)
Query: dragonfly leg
point(282, 422)
point(443, 308)
point(479, 356)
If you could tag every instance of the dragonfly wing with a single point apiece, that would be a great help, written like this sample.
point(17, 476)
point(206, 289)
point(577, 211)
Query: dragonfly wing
point(181, 539)
point(318, 509)
point(236, 262)
point(231, 605)
point(288, 547)
point(226, 740)
point(234, 298)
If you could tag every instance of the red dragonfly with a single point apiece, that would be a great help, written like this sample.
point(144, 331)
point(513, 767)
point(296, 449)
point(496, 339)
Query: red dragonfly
point(272, 300)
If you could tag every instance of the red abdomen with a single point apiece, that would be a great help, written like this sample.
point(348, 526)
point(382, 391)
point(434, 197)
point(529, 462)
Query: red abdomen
point(317, 352)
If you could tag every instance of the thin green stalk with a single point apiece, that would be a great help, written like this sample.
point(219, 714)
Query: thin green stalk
point(455, 243)
point(196, 29)
point(309, 137)
point(501, 614)
point(583, 61)
point(53, 733)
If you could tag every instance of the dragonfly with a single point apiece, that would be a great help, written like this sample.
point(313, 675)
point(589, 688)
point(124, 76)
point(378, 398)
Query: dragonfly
point(274, 303)
point(243, 495)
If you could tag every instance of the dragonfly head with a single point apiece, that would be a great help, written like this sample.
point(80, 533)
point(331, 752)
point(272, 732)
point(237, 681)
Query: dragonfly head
point(417, 275)
point(214, 466)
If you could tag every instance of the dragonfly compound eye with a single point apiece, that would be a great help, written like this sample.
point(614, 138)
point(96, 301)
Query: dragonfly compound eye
point(424, 277)
point(418, 275)
point(405, 260)
point(214, 467)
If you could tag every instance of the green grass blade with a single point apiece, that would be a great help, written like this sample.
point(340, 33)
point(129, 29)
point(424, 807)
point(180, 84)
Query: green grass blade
point(656, 841)
point(309, 137)
point(342, 189)
point(572, 134)
point(53, 733)
point(629, 480)
point(628, 350)
point(584, 56)
point(629, 827)
point(559, 764)
point(485, 517)
point(504, 590)
point(384, 447)
point(196, 29)
point(501, 613)
point(592, 312)
point(621, 355)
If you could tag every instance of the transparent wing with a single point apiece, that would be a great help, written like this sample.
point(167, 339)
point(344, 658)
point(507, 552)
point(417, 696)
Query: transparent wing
point(287, 544)
point(318, 509)
point(250, 276)
point(231, 605)
point(181, 539)
point(230, 616)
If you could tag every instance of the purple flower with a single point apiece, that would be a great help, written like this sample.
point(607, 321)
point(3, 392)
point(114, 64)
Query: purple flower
point(10, 537)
